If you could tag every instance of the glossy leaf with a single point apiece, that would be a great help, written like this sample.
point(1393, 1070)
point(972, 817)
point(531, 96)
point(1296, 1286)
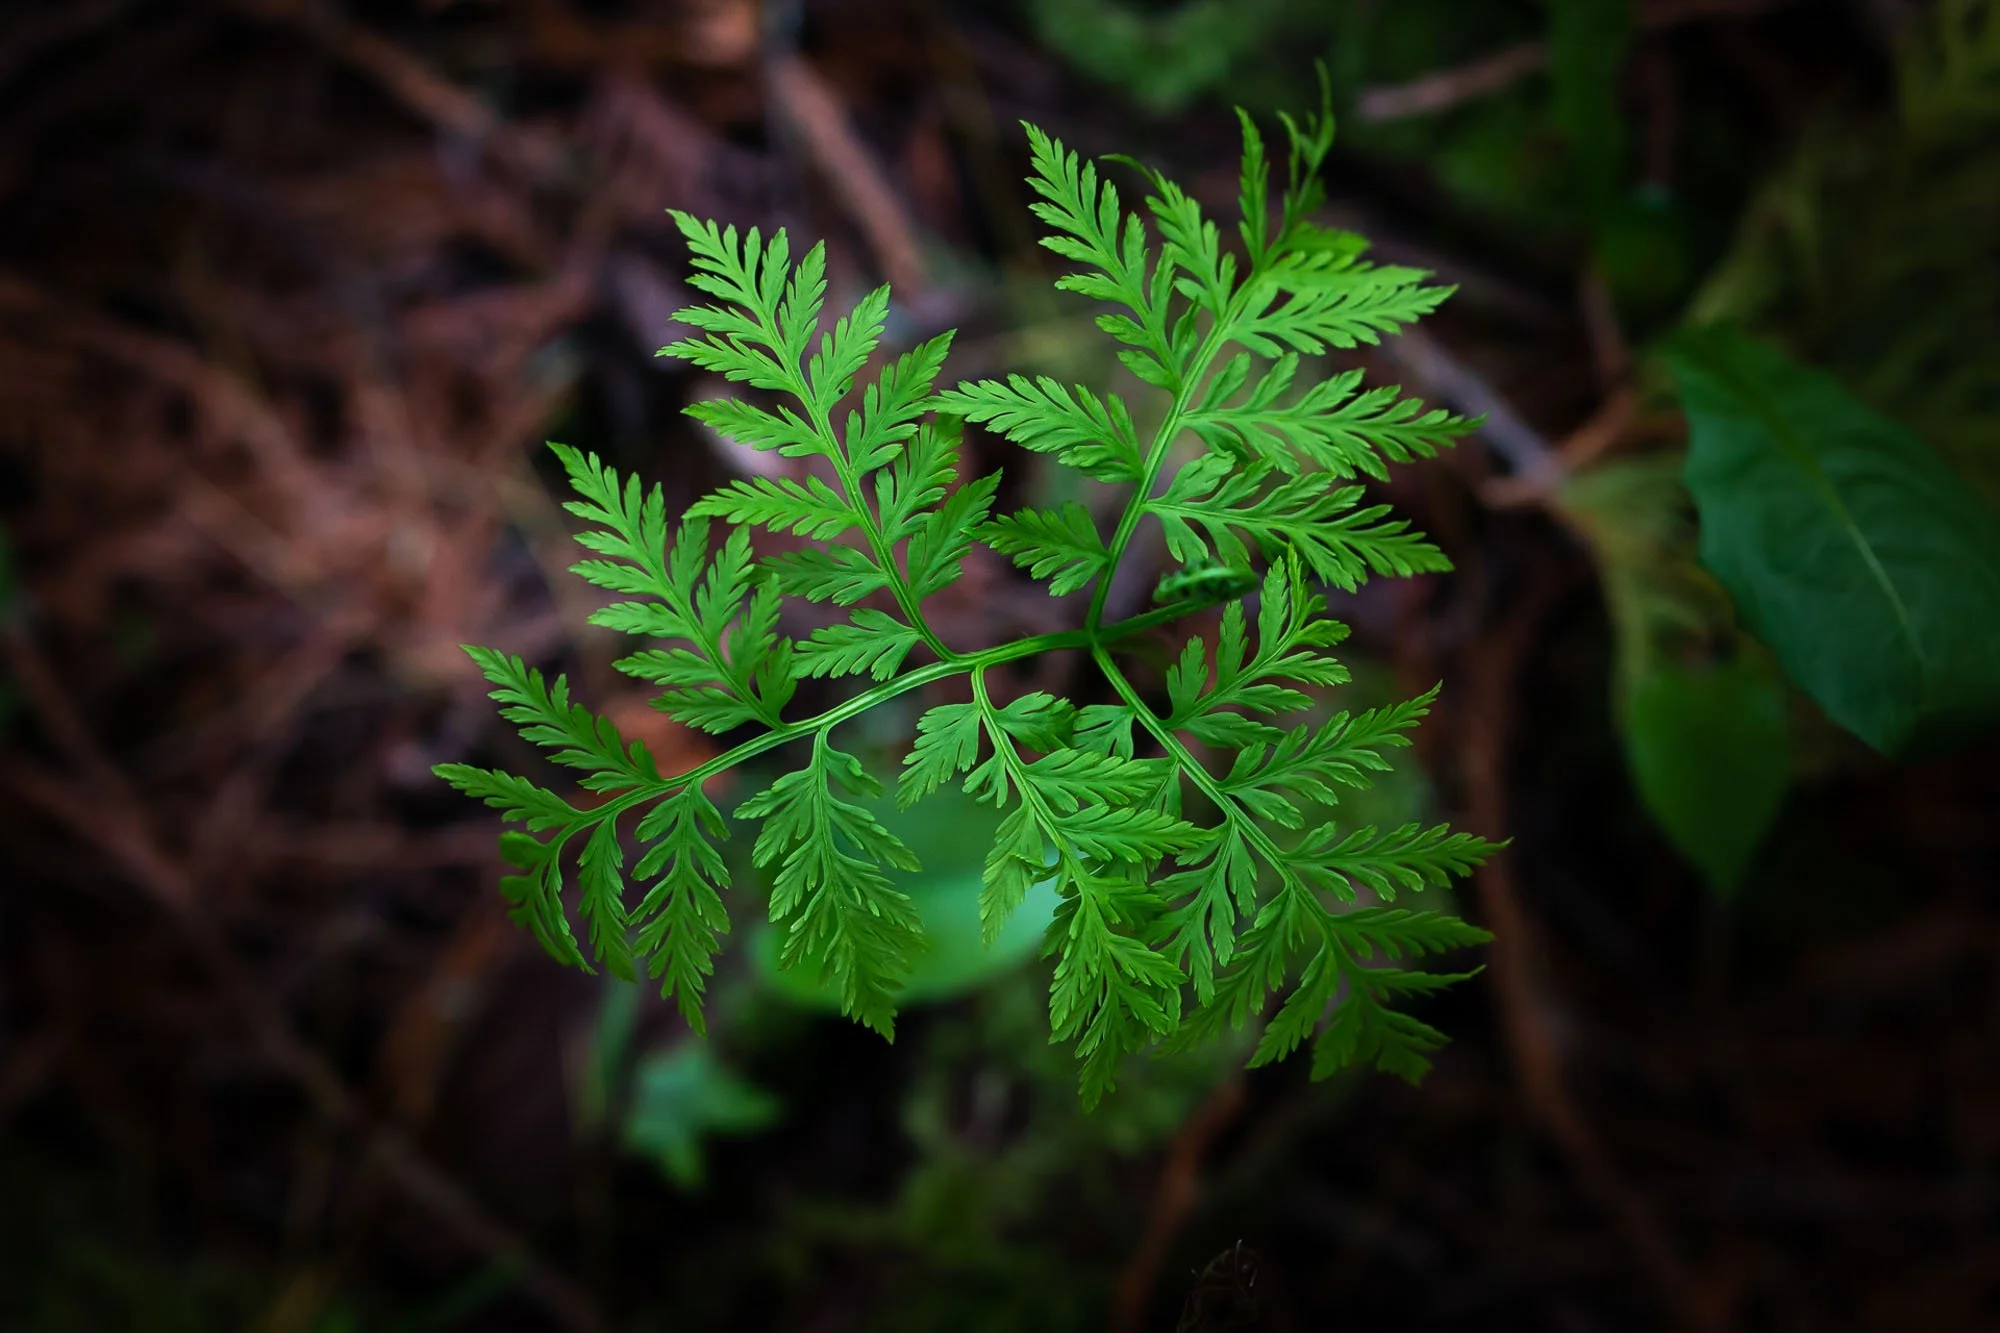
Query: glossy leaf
point(1710, 750)
point(1869, 569)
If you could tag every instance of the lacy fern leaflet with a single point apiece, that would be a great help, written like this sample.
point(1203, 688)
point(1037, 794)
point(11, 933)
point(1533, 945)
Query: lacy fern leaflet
point(1190, 895)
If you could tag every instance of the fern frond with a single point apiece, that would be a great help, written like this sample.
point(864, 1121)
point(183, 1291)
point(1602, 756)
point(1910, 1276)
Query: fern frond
point(579, 738)
point(1337, 538)
point(874, 642)
point(842, 575)
point(1060, 546)
point(941, 541)
point(1268, 778)
point(1180, 913)
point(680, 923)
point(808, 508)
point(1091, 434)
point(1331, 426)
point(844, 920)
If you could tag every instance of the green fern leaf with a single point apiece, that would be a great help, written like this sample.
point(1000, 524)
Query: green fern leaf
point(1091, 434)
point(516, 798)
point(1332, 425)
point(842, 575)
point(599, 868)
point(841, 913)
point(1336, 538)
point(680, 923)
point(874, 642)
point(1180, 913)
point(1061, 546)
point(809, 508)
point(547, 718)
point(937, 547)
point(947, 744)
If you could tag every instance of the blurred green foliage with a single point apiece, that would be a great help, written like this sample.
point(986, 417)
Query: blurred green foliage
point(949, 834)
point(1544, 161)
point(1874, 253)
point(1003, 1154)
point(1588, 40)
point(683, 1095)
point(1847, 545)
point(1701, 707)
point(665, 1102)
point(1709, 744)
point(1161, 57)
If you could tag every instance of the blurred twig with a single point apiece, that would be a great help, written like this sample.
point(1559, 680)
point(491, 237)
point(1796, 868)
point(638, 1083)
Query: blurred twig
point(1449, 87)
point(421, 89)
point(1174, 1199)
point(104, 810)
point(1496, 661)
point(810, 110)
point(1528, 455)
point(1489, 74)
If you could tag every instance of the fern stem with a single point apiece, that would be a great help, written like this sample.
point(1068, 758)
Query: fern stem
point(1204, 782)
point(820, 723)
point(1138, 502)
point(857, 497)
point(1010, 758)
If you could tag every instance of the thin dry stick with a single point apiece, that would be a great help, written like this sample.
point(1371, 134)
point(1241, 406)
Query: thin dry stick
point(110, 816)
point(1616, 419)
point(418, 87)
point(1528, 455)
point(223, 397)
point(55, 26)
point(1448, 88)
point(810, 110)
point(1179, 1179)
point(1514, 963)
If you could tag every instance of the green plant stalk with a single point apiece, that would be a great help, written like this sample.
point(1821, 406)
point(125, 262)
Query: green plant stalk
point(958, 664)
point(1114, 990)
point(1003, 745)
point(1156, 454)
point(899, 583)
point(1203, 780)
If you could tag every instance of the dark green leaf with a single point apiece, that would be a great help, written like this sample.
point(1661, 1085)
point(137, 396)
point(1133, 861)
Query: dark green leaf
point(1587, 44)
point(1851, 550)
point(1710, 749)
point(685, 1095)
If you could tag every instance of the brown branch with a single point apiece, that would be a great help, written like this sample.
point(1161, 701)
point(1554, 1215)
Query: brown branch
point(55, 26)
point(1179, 1183)
point(810, 110)
point(1529, 456)
point(223, 397)
point(422, 90)
point(1489, 74)
point(1449, 87)
point(106, 811)
point(1514, 963)
point(1614, 420)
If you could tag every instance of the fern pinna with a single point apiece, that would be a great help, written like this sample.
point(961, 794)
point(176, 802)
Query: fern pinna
point(1190, 893)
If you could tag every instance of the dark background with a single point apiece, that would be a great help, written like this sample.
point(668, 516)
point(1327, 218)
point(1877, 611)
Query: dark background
point(291, 292)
